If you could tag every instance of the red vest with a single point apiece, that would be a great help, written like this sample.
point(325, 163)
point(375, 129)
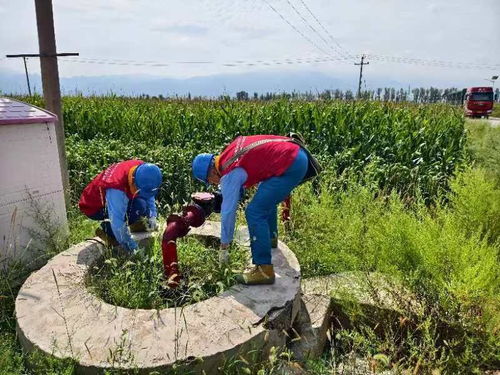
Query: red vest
point(263, 162)
point(93, 197)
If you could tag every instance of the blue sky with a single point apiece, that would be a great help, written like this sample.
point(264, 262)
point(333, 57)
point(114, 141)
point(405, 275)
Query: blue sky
point(222, 31)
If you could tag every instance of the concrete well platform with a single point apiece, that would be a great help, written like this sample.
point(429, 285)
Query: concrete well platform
point(59, 316)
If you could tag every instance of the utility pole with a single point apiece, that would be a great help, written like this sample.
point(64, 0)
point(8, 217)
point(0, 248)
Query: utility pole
point(27, 76)
point(50, 78)
point(361, 63)
point(24, 56)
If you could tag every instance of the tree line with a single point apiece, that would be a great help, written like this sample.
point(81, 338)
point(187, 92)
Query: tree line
point(386, 94)
point(422, 95)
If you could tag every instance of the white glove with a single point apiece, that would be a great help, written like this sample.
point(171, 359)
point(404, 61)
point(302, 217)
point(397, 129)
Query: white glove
point(223, 256)
point(151, 225)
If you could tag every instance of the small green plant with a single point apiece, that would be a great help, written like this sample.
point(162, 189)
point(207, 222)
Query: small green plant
point(136, 282)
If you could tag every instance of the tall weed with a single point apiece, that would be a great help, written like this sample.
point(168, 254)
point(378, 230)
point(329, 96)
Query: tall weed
point(447, 256)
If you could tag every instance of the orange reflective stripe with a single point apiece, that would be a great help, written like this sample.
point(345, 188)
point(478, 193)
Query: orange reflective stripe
point(217, 163)
point(131, 184)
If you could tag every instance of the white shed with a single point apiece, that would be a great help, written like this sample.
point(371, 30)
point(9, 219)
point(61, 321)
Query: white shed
point(32, 207)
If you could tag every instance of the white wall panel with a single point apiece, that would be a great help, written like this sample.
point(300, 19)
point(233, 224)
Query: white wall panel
point(30, 181)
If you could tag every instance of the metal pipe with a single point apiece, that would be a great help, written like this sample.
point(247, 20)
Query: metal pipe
point(170, 263)
point(176, 227)
point(193, 215)
point(285, 212)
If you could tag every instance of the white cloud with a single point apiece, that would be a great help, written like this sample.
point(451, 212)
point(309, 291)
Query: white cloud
point(177, 28)
point(228, 30)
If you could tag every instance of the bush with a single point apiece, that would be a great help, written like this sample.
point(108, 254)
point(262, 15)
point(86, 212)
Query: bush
point(447, 256)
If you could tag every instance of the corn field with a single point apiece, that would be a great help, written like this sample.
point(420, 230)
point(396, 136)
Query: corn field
point(413, 149)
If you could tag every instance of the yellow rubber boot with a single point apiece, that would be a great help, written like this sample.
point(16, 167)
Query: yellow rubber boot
point(257, 275)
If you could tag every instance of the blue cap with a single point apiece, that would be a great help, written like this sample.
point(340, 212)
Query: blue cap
point(147, 178)
point(201, 166)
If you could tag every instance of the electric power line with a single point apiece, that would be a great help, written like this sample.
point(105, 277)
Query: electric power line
point(289, 61)
point(390, 59)
point(25, 56)
point(324, 28)
point(315, 31)
point(295, 28)
point(433, 62)
point(382, 58)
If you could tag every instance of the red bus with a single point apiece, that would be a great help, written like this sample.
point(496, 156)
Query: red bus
point(478, 101)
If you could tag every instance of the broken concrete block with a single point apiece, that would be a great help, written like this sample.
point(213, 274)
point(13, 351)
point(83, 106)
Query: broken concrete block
point(310, 331)
point(370, 297)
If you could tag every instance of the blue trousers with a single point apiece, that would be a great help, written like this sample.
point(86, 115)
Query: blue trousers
point(137, 208)
point(261, 212)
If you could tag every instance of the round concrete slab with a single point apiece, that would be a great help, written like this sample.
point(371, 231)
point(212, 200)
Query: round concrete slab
point(59, 316)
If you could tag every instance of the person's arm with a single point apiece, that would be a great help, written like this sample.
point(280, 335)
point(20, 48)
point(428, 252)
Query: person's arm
point(117, 202)
point(230, 185)
point(153, 213)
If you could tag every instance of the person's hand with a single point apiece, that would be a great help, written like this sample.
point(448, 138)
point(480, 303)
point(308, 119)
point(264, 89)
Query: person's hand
point(224, 253)
point(151, 225)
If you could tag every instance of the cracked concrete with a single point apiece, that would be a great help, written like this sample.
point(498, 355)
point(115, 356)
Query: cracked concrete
point(372, 290)
point(59, 316)
point(311, 327)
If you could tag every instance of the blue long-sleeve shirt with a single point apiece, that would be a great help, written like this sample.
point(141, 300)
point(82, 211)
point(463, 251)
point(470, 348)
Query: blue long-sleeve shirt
point(230, 185)
point(153, 212)
point(117, 203)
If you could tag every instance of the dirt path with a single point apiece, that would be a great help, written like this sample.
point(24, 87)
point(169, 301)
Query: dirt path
point(493, 121)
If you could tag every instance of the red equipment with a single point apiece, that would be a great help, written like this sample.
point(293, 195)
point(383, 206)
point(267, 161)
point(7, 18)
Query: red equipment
point(478, 101)
point(193, 215)
point(285, 212)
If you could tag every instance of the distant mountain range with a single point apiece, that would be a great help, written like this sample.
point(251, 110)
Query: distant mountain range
point(209, 86)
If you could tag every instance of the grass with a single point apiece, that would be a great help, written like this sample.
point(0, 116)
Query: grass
point(134, 282)
point(496, 110)
point(484, 146)
point(378, 218)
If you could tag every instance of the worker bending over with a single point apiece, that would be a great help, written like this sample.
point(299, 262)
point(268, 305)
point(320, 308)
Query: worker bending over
point(123, 195)
point(279, 165)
